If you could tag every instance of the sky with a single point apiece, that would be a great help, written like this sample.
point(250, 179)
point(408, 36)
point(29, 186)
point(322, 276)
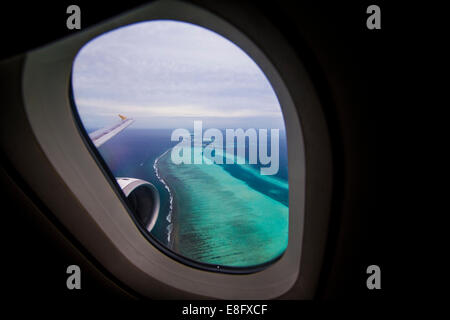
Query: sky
point(166, 74)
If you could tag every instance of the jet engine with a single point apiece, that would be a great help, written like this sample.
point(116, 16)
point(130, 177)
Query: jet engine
point(143, 200)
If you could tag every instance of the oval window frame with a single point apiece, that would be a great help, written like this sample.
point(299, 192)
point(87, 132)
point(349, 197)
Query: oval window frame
point(47, 74)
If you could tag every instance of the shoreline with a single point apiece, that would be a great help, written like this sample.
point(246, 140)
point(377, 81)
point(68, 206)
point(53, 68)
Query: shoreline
point(169, 216)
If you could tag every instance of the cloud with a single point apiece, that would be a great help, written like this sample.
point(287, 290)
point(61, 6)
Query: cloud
point(169, 70)
point(113, 107)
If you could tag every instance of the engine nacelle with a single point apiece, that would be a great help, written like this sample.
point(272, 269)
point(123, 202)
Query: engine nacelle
point(143, 200)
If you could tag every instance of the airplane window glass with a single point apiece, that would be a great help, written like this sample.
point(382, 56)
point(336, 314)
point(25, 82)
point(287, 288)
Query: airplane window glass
point(194, 134)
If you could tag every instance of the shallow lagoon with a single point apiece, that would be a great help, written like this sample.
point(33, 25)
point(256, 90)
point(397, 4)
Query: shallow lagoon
point(219, 218)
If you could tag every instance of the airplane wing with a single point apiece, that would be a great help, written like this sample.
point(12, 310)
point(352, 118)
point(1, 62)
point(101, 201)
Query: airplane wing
point(100, 136)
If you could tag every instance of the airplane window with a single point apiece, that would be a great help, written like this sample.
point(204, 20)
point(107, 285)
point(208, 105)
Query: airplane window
point(194, 134)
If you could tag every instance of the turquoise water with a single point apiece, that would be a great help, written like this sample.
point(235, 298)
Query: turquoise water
point(221, 219)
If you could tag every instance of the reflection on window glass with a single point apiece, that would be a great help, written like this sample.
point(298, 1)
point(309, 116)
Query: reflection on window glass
point(201, 123)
